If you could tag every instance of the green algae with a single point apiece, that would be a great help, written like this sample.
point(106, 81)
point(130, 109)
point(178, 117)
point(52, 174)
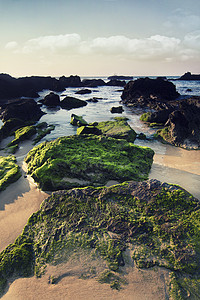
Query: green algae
point(119, 129)
point(22, 134)
point(87, 160)
point(160, 223)
point(9, 171)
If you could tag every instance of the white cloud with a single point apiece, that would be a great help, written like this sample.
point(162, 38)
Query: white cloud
point(11, 45)
point(52, 43)
point(156, 47)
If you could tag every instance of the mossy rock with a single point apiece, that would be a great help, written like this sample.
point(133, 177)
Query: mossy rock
point(87, 160)
point(159, 223)
point(77, 120)
point(88, 129)
point(9, 171)
point(22, 134)
point(9, 127)
point(119, 129)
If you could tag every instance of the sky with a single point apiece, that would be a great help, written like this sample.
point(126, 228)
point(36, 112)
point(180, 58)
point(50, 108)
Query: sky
point(99, 37)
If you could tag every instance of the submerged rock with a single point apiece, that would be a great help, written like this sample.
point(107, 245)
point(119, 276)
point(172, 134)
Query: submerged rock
point(116, 109)
point(87, 160)
point(157, 222)
point(84, 91)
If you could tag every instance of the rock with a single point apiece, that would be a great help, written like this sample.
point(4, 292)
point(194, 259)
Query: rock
point(141, 136)
point(149, 219)
point(24, 109)
point(77, 120)
point(84, 91)
point(148, 92)
point(115, 82)
point(93, 82)
point(183, 125)
point(94, 99)
point(189, 76)
point(120, 77)
point(51, 100)
point(160, 116)
point(118, 129)
point(82, 160)
point(72, 81)
point(118, 110)
point(10, 171)
point(71, 102)
point(189, 90)
point(90, 129)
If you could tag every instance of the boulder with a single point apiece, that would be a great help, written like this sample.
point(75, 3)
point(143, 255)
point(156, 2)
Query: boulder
point(148, 92)
point(160, 116)
point(77, 120)
point(71, 102)
point(84, 91)
point(51, 100)
point(118, 110)
point(24, 109)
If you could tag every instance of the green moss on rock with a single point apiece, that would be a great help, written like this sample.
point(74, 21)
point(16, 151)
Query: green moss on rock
point(23, 134)
point(9, 171)
point(87, 160)
point(158, 222)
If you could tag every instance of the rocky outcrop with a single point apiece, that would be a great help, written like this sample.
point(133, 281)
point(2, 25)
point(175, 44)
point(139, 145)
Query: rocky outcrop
point(71, 81)
point(88, 129)
point(120, 77)
point(51, 99)
point(77, 120)
point(156, 222)
point(71, 102)
point(24, 109)
point(189, 76)
point(146, 92)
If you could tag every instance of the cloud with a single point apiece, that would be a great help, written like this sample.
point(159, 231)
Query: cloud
point(156, 47)
point(52, 43)
point(11, 45)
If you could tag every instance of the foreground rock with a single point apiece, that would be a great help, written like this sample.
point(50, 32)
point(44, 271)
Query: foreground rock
point(9, 171)
point(156, 222)
point(87, 160)
point(23, 109)
point(146, 92)
point(51, 99)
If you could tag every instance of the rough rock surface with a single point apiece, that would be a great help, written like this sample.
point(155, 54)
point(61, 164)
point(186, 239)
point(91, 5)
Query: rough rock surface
point(71, 102)
point(157, 222)
point(24, 109)
point(146, 92)
point(51, 99)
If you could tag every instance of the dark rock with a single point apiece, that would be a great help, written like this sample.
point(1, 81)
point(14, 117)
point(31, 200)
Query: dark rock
point(51, 100)
point(189, 76)
point(24, 109)
point(160, 116)
point(84, 91)
point(94, 99)
point(118, 109)
point(72, 81)
point(120, 77)
point(71, 102)
point(148, 92)
point(115, 82)
point(141, 136)
point(93, 82)
point(189, 90)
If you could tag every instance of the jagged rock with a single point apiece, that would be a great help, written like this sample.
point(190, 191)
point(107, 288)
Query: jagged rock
point(148, 92)
point(120, 77)
point(51, 99)
point(71, 102)
point(160, 116)
point(71, 81)
point(88, 130)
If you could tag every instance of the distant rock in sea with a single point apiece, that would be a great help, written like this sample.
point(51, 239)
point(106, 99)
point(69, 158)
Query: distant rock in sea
point(120, 77)
point(189, 76)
